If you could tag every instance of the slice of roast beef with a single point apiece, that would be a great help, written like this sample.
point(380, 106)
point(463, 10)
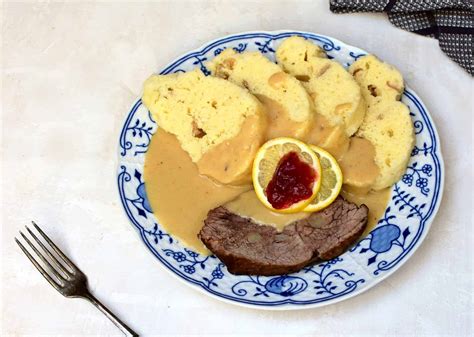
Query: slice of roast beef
point(246, 247)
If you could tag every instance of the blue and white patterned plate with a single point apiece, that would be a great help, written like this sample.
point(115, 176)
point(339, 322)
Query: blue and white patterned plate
point(414, 202)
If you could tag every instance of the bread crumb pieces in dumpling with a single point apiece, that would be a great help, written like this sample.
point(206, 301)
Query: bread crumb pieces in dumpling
point(378, 80)
point(336, 95)
point(208, 116)
point(288, 105)
point(388, 126)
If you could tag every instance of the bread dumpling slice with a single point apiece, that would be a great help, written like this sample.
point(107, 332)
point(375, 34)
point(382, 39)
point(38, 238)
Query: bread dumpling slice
point(388, 126)
point(295, 49)
point(288, 106)
point(219, 124)
point(335, 93)
point(378, 80)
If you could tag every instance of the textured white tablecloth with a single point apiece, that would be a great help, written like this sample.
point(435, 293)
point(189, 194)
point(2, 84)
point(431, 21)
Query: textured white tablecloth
point(69, 75)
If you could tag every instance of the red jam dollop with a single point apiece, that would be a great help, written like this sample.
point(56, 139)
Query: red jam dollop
point(292, 182)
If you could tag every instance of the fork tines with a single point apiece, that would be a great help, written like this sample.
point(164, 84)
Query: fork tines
point(56, 270)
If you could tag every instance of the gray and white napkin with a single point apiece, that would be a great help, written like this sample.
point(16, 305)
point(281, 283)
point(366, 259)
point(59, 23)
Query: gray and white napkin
point(449, 21)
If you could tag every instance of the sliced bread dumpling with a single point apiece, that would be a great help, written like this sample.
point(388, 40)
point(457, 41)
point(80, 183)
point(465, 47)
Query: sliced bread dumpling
point(296, 48)
point(288, 105)
point(335, 93)
point(388, 126)
point(219, 124)
point(378, 80)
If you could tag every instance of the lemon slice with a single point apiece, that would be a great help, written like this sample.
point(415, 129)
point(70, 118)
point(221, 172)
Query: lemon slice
point(331, 181)
point(267, 162)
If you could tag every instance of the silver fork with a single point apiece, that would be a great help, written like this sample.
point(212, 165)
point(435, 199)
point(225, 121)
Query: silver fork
point(64, 276)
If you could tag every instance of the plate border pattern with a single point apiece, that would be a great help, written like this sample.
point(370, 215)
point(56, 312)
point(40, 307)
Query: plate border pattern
point(290, 283)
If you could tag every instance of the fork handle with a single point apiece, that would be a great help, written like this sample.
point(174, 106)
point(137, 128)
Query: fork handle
point(118, 323)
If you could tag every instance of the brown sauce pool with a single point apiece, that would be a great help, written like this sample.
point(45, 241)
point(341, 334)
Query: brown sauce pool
point(180, 197)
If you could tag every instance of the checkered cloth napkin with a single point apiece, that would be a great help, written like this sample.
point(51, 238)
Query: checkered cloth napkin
point(449, 21)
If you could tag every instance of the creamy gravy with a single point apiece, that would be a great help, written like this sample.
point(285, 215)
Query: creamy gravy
point(357, 163)
point(229, 162)
point(376, 201)
point(331, 138)
point(355, 155)
point(179, 196)
point(248, 205)
point(279, 122)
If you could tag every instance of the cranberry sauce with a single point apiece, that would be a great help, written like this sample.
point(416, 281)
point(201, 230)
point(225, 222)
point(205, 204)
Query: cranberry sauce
point(292, 182)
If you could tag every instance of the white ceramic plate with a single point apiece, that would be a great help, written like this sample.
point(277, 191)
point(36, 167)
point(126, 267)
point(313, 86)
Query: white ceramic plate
point(414, 202)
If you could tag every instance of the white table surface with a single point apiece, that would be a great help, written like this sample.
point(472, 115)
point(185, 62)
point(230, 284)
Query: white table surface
point(69, 75)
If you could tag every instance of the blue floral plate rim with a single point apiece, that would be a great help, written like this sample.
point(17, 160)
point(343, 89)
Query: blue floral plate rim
point(289, 286)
